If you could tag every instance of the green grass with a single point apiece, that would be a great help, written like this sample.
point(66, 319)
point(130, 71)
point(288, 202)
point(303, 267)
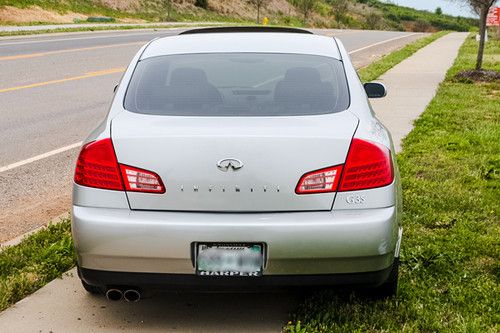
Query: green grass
point(397, 16)
point(381, 66)
point(150, 11)
point(449, 278)
point(78, 6)
point(34, 262)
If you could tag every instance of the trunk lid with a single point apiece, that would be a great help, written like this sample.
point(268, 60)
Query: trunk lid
point(274, 152)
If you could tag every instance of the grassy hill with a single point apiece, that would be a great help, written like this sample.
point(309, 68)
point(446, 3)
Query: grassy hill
point(404, 18)
point(361, 14)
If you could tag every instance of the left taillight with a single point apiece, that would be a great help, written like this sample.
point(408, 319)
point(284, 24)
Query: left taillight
point(140, 180)
point(98, 167)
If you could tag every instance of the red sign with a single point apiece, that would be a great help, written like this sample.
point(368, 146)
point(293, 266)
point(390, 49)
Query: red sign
point(493, 17)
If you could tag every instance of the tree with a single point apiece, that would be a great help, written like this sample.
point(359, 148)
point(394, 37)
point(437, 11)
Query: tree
point(439, 11)
point(340, 8)
point(481, 7)
point(168, 7)
point(306, 6)
point(163, 8)
point(258, 4)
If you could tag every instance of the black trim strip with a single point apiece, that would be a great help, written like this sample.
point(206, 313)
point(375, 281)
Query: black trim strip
point(245, 29)
point(163, 281)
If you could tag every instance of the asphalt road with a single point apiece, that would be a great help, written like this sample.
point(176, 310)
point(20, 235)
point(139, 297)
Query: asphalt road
point(55, 89)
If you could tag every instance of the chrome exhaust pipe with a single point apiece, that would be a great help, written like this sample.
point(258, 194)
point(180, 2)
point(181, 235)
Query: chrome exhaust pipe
point(132, 295)
point(114, 294)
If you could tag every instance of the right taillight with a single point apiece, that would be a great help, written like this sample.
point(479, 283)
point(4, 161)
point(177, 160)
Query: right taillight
point(319, 181)
point(368, 165)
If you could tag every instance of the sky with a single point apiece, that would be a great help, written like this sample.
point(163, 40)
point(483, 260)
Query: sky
point(456, 8)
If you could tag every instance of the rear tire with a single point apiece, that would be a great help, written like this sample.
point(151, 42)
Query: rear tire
point(390, 287)
point(95, 290)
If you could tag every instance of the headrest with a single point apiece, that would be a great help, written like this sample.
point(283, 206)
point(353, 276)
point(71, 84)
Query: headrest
point(302, 74)
point(188, 75)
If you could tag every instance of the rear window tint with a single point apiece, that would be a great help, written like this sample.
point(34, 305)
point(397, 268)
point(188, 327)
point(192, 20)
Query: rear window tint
point(238, 84)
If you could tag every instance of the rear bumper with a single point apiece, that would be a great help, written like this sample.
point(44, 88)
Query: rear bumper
point(298, 243)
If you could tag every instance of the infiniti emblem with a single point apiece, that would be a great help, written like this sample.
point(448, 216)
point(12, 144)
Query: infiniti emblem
point(229, 163)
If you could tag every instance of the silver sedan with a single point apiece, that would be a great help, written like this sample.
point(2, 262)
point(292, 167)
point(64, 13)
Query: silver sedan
point(238, 157)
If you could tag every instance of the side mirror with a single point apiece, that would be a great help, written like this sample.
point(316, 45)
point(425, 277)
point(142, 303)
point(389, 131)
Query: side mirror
point(115, 88)
point(375, 90)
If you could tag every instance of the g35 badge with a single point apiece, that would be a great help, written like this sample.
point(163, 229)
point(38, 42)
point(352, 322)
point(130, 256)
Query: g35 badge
point(355, 199)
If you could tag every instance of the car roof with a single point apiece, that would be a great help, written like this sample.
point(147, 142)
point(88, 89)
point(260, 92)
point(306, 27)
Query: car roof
point(243, 41)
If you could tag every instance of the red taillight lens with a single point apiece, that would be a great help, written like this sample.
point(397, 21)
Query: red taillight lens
point(368, 165)
point(319, 181)
point(139, 180)
point(97, 166)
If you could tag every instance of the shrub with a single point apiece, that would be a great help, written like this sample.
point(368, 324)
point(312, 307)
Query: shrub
point(373, 21)
point(422, 26)
point(201, 3)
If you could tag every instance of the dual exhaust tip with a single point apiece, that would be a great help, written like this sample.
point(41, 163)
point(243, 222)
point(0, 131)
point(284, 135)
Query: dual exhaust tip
point(130, 295)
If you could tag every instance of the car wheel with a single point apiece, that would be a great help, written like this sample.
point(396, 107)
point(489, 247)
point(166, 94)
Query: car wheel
point(390, 287)
point(91, 289)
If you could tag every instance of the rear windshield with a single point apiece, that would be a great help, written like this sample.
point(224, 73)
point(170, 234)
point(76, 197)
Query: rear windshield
point(238, 84)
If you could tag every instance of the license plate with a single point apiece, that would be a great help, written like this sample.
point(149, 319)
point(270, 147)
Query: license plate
point(229, 259)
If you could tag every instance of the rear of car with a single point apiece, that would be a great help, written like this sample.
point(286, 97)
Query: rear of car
point(237, 159)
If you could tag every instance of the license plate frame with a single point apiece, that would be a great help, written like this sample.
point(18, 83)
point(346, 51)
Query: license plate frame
point(231, 248)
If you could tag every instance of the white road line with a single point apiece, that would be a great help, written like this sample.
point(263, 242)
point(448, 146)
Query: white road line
point(80, 38)
point(78, 144)
point(40, 157)
point(382, 42)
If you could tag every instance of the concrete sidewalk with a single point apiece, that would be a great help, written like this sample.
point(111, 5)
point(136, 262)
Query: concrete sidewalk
point(63, 306)
point(412, 84)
